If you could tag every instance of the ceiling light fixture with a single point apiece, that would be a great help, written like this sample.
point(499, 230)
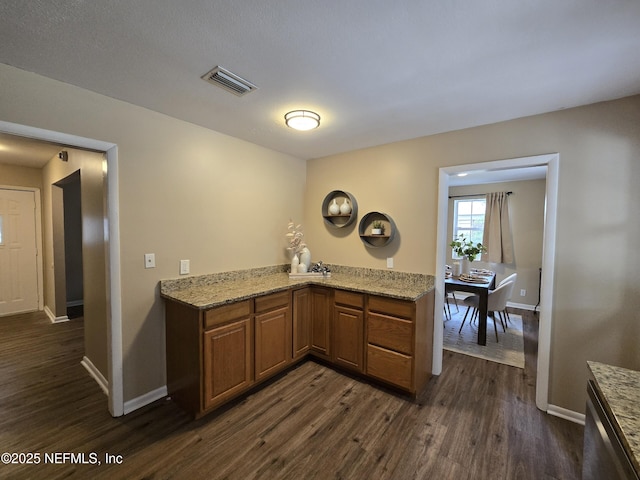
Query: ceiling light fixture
point(302, 120)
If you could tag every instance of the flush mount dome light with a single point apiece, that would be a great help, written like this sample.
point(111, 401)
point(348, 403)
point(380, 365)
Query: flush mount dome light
point(302, 120)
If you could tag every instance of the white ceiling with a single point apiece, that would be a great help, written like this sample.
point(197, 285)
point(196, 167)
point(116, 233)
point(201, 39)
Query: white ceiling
point(478, 177)
point(26, 151)
point(376, 71)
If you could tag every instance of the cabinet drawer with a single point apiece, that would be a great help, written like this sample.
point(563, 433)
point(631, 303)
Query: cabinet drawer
point(390, 366)
point(392, 306)
point(390, 332)
point(352, 299)
point(274, 300)
point(226, 313)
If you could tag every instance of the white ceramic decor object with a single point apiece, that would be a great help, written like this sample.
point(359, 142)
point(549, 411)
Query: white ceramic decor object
point(305, 257)
point(334, 208)
point(345, 208)
point(466, 265)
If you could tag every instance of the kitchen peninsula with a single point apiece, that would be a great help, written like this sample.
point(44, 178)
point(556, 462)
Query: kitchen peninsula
point(227, 332)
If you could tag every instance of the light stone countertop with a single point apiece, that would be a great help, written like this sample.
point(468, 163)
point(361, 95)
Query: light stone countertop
point(207, 291)
point(620, 389)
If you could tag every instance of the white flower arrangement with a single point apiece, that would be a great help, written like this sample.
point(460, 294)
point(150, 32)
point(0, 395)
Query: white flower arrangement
point(295, 236)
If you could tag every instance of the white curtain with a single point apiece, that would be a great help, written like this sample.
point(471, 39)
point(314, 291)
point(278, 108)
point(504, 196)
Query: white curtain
point(497, 229)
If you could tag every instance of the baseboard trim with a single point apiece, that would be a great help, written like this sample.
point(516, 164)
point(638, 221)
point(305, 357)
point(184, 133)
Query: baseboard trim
point(95, 373)
point(145, 399)
point(53, 318)
point(522, 306)
point(570, 415)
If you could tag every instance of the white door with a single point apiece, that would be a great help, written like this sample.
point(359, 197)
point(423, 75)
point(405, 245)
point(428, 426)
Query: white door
point(18, 252)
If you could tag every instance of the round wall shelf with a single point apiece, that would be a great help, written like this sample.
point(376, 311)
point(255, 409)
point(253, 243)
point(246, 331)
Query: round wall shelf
point(339, 220)
point(376, 240)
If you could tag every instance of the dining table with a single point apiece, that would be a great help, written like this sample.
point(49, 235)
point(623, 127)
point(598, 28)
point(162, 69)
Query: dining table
point(455, 284)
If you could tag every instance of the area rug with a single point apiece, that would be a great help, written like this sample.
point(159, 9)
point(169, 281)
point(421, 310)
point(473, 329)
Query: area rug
point(508, 350)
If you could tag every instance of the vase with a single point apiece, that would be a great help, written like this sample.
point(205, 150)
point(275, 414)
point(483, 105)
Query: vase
point(457, 268)
point(305, 257)
point(302, 268)
point(295, 261)
point(345, 208)
point(466, 265)
point(334, 208)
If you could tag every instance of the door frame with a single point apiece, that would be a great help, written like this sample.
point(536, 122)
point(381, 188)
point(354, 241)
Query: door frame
point(39, 245)
point(551, 161)
point(112, 254)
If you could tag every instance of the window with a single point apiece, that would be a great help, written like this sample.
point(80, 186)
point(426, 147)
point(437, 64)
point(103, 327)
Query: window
point(468, 219)
point(0, 229)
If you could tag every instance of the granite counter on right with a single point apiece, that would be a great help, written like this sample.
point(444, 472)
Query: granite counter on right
point(616, 392)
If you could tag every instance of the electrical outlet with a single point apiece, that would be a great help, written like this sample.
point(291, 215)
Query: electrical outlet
point(390, 262)
point(184, 267)
point(149, 260)
point(523, 293)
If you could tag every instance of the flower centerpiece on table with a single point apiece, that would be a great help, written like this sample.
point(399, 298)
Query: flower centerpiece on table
point(466, 248)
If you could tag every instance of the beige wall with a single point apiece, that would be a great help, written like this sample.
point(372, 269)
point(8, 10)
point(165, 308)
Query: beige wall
point(526, 212)
point(597, 284)
point(16, 176)
point(90, 165)
point(55, 298)
point(185, 192)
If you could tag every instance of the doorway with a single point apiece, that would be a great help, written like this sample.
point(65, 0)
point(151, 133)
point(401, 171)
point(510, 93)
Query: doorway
point(20, 272)
point(525, 191)
point(67, 237)
point(113, 284)
point(548, 259)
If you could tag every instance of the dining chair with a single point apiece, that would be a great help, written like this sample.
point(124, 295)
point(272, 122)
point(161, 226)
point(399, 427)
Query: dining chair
point(496, 302)
point(447, 304)
point(511, 278)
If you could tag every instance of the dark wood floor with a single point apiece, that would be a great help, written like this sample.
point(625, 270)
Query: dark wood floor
point(477, 420)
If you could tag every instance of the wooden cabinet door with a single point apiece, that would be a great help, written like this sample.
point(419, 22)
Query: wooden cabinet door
point(391, 366)
point(301, 322)
point(272, 341)
point(390, 332)
point(321, 322)
point(348, 337)
point(227, 361)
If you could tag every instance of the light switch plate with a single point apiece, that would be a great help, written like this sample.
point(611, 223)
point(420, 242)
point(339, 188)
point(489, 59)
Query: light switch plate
point(184, 267)
point(149, 260)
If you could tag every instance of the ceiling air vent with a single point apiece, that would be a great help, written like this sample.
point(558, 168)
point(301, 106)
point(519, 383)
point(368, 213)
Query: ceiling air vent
point(229, 81)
